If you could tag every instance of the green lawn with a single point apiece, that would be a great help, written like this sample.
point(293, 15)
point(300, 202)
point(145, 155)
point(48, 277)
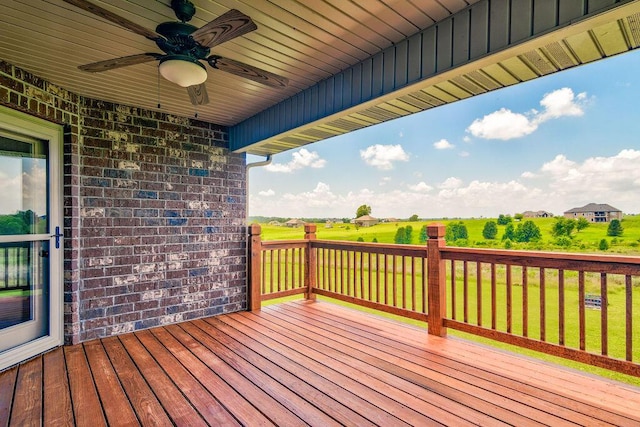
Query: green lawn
point(586, 240)
point(384, 233)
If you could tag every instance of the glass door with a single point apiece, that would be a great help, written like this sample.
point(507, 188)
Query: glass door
point(30, 241)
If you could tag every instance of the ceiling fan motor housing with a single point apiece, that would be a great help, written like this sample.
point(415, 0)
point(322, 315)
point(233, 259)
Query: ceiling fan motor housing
point(178, 41)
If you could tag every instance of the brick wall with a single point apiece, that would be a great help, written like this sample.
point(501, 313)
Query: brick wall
point(154, 212)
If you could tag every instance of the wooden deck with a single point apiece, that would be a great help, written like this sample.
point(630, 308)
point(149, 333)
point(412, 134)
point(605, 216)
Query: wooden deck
point(302, 363)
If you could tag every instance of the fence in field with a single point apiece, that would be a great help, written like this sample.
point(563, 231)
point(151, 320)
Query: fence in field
point(14, 261)
point(542, 301)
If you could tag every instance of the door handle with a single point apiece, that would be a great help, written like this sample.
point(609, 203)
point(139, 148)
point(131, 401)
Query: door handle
point(58, 235)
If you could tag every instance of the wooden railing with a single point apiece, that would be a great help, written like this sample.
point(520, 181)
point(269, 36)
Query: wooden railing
point(14, 261)
point(577, 306)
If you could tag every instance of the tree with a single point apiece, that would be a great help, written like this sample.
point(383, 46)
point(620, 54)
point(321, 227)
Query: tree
point(528, 231)
point(563, 227)
point(423, 235)
point(604, 245)
point(363, 210)
point(504, 219)
point(400, 236)
point(408, 231)
point(509, 232)
point(582, 223)
point(518, 217)
point(615, 228)
point(413, 218)
point(490, 230)
point(456, 231)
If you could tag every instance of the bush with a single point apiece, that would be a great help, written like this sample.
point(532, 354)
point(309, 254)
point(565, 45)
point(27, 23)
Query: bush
point(490, 230)
point(508, 244)
point(360, 239)
point(563, 242)
point(604, 245)
point(615, 228)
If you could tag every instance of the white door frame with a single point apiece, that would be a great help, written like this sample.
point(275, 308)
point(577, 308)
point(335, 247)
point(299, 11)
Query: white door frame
point(23, 124)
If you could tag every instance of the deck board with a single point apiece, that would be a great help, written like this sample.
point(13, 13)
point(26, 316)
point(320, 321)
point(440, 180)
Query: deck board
point(303, 363)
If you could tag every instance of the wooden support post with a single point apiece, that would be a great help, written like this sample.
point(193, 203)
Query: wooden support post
point(255, 267)
point(310, 261)
point(436, 280)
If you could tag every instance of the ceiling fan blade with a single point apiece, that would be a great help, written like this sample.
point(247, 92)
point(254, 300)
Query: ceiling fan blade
point(123, 61)
point(224, 28)
point(198, 94)
point(248, 71)
point(116, 19)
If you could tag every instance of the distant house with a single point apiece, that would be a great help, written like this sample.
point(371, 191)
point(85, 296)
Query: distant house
point(294, 223)
point(366, 221)
point(595, 212)
point(276, 223)
point(537, 214)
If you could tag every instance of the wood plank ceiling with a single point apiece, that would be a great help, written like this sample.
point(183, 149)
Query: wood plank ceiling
point(304, 41)
point(311, 42)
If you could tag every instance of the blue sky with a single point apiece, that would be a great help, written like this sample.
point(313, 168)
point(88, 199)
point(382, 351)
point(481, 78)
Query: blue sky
point(554, 143)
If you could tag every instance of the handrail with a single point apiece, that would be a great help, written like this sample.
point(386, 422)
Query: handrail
point(576, 306)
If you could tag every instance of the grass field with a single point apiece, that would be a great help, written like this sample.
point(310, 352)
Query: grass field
point(585, 241)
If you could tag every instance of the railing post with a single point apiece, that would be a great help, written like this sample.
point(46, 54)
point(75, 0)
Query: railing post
point(436, 280)
point(255, 267)
point(310, 261)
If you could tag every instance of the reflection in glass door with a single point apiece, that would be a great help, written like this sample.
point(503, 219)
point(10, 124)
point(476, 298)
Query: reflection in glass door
point(28, 186)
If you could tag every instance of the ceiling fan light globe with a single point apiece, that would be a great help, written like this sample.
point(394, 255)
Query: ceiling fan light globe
point(183, 72)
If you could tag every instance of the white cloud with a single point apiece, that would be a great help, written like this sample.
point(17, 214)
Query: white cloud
point(383, 156)
point(443, 144)
point(561, 103)
point(421, 187)
point(267, 193)
point(504, 124)
point(450, 183)
point(556, 186)
point(464, 154)
point(300, 159)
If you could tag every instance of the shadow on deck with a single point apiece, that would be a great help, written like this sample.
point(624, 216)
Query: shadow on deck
point(302, 363)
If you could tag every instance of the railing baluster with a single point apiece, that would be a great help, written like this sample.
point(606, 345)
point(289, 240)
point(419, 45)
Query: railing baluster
point(604, 318)
point(404, 282)
point(525, 302)
point(413, 283)
point(465, 286)
point(362, 275)
point(479, 293)
point(493, 297)
point(561, 309)
point(425, 285)
point(543, 312)
point(18, 269)
point(369, 280)
point(581, 309)
point(386, 280)
point(453, 289)
point(287, 267)
point(509, 299)
point(629, 313)
point(377, 287)
point(395, 281)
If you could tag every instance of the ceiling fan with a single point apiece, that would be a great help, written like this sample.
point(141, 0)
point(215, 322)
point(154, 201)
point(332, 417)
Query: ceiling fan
point(185, 47)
